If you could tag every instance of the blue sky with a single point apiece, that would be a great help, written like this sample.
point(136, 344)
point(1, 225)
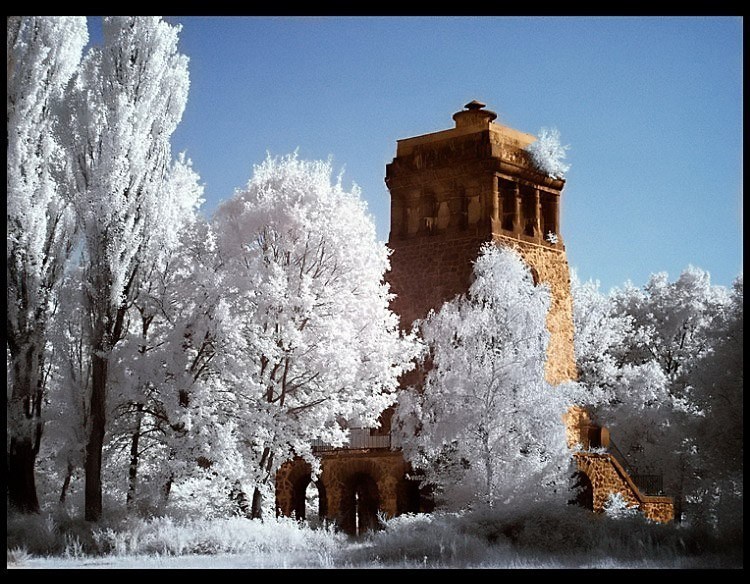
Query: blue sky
point(651, 108)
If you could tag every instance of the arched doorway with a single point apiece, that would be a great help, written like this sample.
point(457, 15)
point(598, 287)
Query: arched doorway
point(316, 507)
point(360, 504)
point(583, 491)
point(309, 500)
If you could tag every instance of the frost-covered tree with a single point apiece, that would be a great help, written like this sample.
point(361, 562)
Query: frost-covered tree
point(717, 392)
point(618, 389)
point(127, 100)
point(548, 154)
point(631, 397)
point(488, 427)
point(645, 355)
point(42, 55)
point(168, 375)
point(672, 321)
point(151, 357)
point(322, 349)
point(63, 450)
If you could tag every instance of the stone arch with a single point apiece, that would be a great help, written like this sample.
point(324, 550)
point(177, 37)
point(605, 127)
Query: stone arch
point(528, 211)
point(287, 478)
point(312, 513)
point(583, 491)
point(345, 481)
point(605, 479)
point(360, 504)
point(292, 481)
point(429, 211)
point(549, 218)
point(507, 193)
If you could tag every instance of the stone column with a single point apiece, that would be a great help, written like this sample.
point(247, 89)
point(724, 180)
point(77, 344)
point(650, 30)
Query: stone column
point(497, 206)
point(388, 491)
point(334, 489)
point(537, 214)
point(517, 219)
point(555, 203)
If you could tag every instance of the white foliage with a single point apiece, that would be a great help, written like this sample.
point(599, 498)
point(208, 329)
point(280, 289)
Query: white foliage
point(303, 271)
point(651, 358)
point(131, 201)
point(127, 101)
point(548, 154)
point(616, 507)
point(489, 428)
point(42, 54)
point(672, 319)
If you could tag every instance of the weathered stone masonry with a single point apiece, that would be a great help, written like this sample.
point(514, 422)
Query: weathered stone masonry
point(453, 190)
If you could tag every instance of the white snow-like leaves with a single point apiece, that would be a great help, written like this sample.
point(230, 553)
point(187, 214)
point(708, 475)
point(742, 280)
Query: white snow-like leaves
point(321, 345)
point(489, 426)
point(42, 55)
point(661, 365)
point(548, 154)
point(127, 100)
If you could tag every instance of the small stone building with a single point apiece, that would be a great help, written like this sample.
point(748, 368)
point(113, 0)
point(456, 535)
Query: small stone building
point(451, 191)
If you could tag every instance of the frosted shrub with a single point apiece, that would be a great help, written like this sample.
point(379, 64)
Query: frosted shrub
point(617, 507)
point(36, 533)
point(18, 556)
point(73, 547)
point(434, 540)
point(548, 154)
point(232, 536)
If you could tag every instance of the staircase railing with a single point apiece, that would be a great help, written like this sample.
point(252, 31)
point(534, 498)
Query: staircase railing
point(649, 484)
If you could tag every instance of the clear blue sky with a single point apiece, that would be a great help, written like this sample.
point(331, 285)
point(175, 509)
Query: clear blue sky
point(651, 108)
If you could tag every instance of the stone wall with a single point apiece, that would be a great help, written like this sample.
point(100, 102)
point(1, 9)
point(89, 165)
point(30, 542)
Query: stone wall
point(341, 469)
point(386, 468)
point(607, 476)
point(428, 271)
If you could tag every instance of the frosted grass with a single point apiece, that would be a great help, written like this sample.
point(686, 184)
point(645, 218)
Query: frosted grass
point(566, 538)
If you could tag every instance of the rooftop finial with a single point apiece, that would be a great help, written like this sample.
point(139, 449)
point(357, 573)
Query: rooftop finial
point(475, 105)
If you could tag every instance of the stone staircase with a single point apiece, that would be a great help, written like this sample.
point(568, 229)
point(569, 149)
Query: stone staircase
point(595, 458)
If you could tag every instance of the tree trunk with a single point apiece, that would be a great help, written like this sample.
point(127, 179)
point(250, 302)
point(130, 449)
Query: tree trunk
point(21, 484)
point(489, 474)
point(266, 463)
point(97, 420)
point(166, 489)
point(239, 496)
point(24, 423)
point(66, 484)
point(257, 511)
point(134, 455)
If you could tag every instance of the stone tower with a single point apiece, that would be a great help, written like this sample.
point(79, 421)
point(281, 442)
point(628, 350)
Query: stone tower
point(453, 190)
